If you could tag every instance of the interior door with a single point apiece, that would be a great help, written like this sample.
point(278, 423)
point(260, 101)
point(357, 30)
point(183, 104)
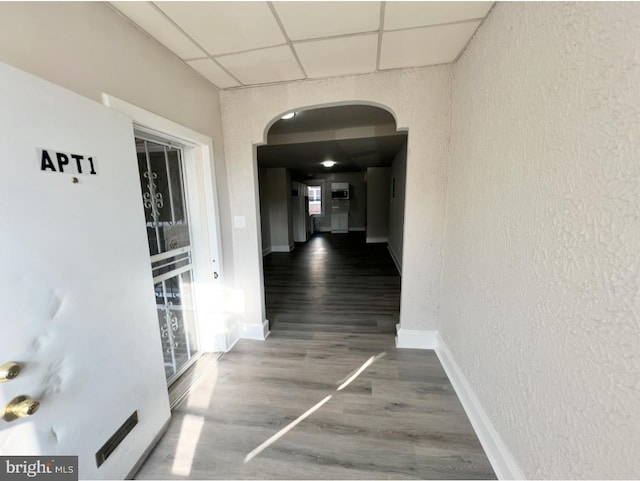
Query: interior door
point(75, 284)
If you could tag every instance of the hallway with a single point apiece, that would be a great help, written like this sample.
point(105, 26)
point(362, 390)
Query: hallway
point(327, 395)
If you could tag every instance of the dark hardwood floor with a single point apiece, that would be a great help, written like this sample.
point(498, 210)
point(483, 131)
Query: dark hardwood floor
point(327, 395)
point(334, 283)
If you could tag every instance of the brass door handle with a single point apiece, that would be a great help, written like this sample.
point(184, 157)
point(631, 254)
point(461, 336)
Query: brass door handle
point(9, 371)
point(20, 407)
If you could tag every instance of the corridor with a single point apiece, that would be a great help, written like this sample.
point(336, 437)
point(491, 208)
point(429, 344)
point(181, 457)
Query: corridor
point(327, 395)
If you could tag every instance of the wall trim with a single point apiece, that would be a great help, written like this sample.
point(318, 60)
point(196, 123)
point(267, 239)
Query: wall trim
point(282, 248)
point(266, 251)
point(357, 229)
point(258, 332)
point(415, 339)
point(395, 259)
point(499, 455)
point(377, 240)
point(232, 337)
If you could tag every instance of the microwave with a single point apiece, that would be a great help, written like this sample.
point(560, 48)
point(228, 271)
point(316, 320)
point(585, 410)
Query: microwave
point(340, 194)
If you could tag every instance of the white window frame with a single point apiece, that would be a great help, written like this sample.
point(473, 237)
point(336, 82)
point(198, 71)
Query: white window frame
point(323, 201)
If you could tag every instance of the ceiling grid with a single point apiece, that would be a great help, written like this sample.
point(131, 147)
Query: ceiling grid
point(284, 32)
point(239, 44)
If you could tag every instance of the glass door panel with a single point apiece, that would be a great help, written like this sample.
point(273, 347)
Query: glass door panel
point(163, 196)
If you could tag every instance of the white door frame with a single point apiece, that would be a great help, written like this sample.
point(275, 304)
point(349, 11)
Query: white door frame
point(204, 218)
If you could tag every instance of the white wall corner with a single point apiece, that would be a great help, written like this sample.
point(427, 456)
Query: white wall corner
point(266, 251)
point(280, 248)
point(415, 339)
point(377, 240)
point(258, 332)
point(395, 259)
point(292, 246)
point(500, 457)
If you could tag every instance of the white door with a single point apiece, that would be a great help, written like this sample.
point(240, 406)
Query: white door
point(78, 313)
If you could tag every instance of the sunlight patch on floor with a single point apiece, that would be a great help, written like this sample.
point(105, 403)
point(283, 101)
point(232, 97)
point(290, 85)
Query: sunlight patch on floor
point(309, 412)
point(285, 430)
point(187, 444)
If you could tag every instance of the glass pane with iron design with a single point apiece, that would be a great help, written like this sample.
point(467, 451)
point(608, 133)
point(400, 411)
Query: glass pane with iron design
point(176, 318)
point(160, 169)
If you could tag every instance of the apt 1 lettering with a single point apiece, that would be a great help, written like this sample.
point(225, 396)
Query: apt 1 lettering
point(66, 163)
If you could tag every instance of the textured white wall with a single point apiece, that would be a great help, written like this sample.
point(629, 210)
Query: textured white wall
point(378, 204)
point(89, 48)
point(397, 203)
point(420, 100)
point(541, 277)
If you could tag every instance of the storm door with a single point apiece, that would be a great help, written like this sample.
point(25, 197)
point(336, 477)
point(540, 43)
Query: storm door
point(164, 198)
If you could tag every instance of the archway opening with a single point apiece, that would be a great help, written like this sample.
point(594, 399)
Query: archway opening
point(331, 190)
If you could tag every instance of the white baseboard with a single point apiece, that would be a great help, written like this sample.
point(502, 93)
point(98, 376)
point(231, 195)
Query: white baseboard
point(258, 332)
point(232, 336)
point(266, 251)
point(377, 240)
point(415, 339)
point(357, 229)
point(501, 459)
point(224, 341)
point(396, 261)
point(282, 248)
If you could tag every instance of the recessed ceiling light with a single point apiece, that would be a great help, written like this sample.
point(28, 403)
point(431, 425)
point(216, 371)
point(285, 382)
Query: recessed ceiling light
point(288, 116)
point(328, 163)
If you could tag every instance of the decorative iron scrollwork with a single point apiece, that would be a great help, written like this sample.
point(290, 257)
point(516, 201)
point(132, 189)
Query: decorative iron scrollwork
point(169, 327)
point(152, 200)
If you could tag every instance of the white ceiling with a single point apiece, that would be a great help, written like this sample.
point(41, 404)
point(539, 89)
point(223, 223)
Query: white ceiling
point(235, 44)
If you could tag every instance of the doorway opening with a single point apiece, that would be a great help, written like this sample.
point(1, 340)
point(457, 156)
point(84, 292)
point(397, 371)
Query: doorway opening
point(331, 190)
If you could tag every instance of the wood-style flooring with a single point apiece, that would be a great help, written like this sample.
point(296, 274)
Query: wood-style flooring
point(327, 395)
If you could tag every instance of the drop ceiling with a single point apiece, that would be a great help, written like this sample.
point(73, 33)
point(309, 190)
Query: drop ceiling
point(236, 44)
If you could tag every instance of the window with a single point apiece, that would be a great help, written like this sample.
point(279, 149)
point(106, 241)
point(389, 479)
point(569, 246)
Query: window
point(315, 200)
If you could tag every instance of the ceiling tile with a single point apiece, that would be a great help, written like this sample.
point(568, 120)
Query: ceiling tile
point(304, 20)
point(155, 24)
point(226, 27)
point(339, 56)
point(418, 14)
point(425, 46)
point(276, 64)
point(212, 72)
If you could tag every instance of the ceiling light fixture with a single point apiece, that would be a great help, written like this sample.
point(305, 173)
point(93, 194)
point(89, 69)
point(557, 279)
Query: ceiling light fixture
point(288, 116)
point(328, 163)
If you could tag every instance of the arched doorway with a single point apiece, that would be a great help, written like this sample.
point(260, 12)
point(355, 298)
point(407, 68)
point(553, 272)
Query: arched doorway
point(419, 102)
point(331, 182)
